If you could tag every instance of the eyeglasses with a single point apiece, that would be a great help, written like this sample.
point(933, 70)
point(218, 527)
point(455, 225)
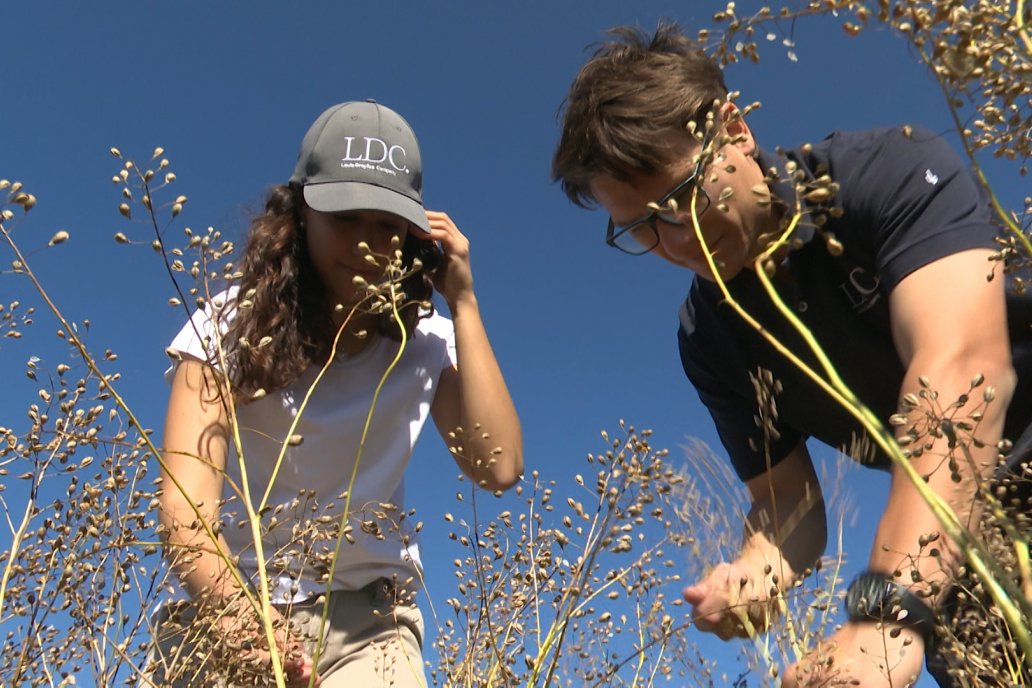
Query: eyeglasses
point(642, 235)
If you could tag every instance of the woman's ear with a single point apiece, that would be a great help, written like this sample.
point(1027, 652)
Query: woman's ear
point(736, 129)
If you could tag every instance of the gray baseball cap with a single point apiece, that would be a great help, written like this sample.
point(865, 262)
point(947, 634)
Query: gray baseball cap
point(362, 156)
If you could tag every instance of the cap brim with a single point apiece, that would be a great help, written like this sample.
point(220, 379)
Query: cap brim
point(336, 197)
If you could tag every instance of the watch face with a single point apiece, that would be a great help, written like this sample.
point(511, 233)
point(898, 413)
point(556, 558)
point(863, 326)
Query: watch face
point(874, 597)
point(871, 596)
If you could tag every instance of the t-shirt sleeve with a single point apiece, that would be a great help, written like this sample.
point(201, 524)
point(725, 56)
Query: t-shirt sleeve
point(736, 416)
point(439, 333)
point(917, 196)
point(451, 357)
point(198, 338)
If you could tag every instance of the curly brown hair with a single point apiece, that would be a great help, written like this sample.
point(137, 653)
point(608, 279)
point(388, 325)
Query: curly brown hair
point(626, 100)
point(287, 300)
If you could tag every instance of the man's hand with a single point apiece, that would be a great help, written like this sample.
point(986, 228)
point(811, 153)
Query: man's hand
point(785, 534)
point(861, 654)
point(735, 600)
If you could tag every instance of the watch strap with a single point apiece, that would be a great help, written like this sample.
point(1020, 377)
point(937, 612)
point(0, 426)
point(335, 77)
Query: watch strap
point(873, 596)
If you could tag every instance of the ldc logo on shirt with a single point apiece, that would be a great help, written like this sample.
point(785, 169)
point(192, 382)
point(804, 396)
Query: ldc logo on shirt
point(861, 289)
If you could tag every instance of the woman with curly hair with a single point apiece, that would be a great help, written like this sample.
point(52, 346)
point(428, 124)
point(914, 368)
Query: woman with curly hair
point(297, 397)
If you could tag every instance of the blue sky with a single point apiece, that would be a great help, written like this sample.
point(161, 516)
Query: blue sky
point(585, 335)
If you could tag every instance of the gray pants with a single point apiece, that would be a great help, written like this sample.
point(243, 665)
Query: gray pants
point(368, 641)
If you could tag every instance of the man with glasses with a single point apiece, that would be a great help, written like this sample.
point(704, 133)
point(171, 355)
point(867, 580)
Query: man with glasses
point(880, 242)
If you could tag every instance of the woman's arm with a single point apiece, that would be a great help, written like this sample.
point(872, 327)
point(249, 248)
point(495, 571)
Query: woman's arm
point(473, 394)
point(195, 444)
point(195, 449)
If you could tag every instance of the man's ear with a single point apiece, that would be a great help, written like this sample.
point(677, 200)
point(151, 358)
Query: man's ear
point(736, 128)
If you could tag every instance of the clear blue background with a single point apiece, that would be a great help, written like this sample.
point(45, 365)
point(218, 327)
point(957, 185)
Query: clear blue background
point(584, 334)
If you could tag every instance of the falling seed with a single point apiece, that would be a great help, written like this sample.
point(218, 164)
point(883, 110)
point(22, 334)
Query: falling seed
point(174, 302)
point(124, 209)
point(835, 247)
point(295, 440)
point(726, 193)
point(258, 393)
point(722, 207)
point(851, 28)
point(59, 238)
point(115, 152)
point(158, 152)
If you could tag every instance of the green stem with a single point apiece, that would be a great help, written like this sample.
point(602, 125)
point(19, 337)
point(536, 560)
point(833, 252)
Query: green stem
point(358, 458)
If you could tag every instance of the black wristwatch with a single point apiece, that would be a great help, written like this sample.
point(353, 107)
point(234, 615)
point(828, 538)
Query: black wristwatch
point(873, 596)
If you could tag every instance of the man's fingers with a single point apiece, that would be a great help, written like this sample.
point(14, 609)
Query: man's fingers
point(694, 594)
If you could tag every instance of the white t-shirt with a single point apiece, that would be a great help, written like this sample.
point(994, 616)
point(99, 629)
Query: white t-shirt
point(304, 506)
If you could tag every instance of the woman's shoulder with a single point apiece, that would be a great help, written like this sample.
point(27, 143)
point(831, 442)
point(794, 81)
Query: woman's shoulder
point(436, 332)
point(201, 335)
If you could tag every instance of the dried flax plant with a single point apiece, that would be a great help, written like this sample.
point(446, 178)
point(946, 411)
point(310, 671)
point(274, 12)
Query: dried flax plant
point(586, 590)
point(82, 561)
point(981, 55)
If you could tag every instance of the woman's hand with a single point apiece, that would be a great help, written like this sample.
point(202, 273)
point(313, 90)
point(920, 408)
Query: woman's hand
point(454, 279)
point(246, 632)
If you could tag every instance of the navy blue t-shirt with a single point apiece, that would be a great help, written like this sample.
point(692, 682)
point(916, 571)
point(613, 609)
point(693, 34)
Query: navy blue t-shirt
point(906, 200)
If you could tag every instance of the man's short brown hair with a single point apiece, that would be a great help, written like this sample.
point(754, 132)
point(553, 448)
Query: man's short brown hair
point(626, 100)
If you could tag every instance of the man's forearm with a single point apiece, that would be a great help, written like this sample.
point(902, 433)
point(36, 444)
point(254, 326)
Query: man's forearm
point(953, 466)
